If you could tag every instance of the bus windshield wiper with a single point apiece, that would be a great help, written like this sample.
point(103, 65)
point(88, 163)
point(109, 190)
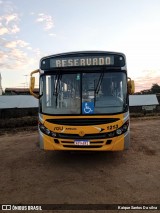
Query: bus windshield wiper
point(96, 90)
point(57, 86)
point(41, 95)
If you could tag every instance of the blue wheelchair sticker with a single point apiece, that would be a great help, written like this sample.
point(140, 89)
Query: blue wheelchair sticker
point(88, 107)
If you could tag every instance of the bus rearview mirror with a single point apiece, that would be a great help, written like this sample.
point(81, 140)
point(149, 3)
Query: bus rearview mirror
point(32, 84)
point(32, 81)
point(131, 87)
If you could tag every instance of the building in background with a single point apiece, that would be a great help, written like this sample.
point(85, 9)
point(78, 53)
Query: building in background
point(143, 103)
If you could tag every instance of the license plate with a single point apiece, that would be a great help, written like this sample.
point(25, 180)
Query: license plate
point(82, 142)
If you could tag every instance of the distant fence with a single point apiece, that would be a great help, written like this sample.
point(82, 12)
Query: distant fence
point(141, 109)
point(18, 112)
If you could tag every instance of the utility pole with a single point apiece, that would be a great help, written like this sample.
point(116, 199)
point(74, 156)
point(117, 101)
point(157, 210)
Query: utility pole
point(26, 81)
point(1, 91)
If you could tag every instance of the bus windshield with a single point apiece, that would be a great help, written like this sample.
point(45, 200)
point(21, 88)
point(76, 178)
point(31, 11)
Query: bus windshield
point(83, 93)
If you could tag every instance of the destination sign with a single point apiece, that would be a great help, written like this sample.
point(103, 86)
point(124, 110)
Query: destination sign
point(81, 61)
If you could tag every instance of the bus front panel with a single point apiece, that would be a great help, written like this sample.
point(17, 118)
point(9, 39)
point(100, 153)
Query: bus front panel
point(99, 133)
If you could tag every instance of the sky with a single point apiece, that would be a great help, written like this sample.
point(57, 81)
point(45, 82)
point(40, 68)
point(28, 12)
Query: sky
point(32, 29)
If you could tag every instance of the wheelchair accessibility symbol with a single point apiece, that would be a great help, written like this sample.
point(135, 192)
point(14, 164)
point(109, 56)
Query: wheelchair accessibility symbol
point(87, 107)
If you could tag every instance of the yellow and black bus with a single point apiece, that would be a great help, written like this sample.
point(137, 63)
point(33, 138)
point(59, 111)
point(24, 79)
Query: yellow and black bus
point(84, 101)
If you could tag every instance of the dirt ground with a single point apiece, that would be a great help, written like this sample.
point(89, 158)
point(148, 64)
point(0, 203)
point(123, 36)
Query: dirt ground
point(29, 175)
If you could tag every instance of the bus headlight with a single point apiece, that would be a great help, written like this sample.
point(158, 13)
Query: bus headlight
point(123, 128)
point(46, 130)
point(119, 131)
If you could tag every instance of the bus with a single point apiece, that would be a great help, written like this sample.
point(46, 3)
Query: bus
point(83, 101)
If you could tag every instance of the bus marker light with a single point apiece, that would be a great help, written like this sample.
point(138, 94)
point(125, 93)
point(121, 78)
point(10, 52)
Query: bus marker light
point(125, 127)
point(53, 134)
point(48, 131)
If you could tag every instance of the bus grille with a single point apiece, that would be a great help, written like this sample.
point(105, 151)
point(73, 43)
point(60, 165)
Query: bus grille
point(70, 144)
point(82, 122)
point(87, 136)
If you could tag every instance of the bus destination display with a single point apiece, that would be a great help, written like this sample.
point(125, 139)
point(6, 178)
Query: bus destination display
point(81, 61)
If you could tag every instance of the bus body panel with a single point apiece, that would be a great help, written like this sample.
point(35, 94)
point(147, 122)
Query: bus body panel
point(117, 145)
point(96, 144)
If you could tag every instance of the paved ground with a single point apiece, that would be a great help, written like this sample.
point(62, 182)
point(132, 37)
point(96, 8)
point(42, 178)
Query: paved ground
point(30, 175)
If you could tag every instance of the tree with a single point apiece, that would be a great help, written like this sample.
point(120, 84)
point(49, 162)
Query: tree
point(155, 89)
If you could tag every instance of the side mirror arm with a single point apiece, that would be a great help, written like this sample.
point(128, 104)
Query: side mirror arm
point(32, 83)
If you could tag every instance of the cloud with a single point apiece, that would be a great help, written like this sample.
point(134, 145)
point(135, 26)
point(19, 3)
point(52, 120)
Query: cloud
point(9, 30)
point(3, 30)
point(18, 55)
point(11, 50)
point(147, 79)
point(8, 18)
point(12, 58)
point(7, 6)
point(52, 34)
point(9, 24)
point(17, 43)
point(29, 48)
point(46, 20)
point(14, 29)
point(15, 59)
point(11, 17)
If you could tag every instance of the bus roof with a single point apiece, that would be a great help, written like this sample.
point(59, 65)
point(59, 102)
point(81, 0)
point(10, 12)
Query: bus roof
point(92, 52)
